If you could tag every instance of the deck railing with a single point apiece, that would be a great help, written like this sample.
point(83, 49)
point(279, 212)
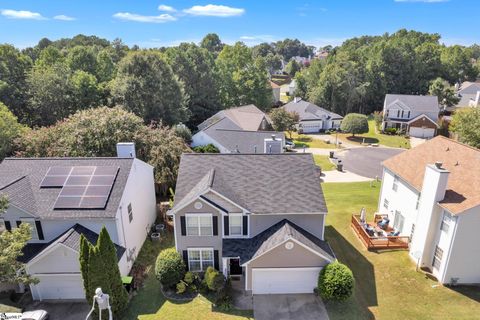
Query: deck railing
point(378, 243)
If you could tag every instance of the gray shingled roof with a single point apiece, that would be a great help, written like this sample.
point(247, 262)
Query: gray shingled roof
point(247, 117)
point(260, 183)
point(70, 238)
point(248, 249)
point(27, 174)
point(415, 102)
point(309, 111)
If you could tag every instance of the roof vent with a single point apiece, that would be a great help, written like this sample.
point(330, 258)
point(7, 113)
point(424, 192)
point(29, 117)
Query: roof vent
point(448, 149)
point(456, 163)
point(438, 164)
point(273, 137)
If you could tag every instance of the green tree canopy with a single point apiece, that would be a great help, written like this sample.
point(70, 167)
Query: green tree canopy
point(292, 67)
point(146, 85)
point(354, 123)
point(283, 120)
point(195, 68)
point(95, 133)
point(243, 79)
point(212, 43)
point(445, 93)
point(466, 123)
point(99, 269)
point(10, 130)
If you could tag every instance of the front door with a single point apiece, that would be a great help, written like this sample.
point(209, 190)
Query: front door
point(235, 268)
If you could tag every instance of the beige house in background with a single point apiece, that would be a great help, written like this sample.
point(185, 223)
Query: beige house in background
point(258, 217)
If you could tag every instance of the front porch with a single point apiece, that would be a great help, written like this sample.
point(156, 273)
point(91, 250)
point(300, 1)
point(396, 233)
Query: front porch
point(375, 237)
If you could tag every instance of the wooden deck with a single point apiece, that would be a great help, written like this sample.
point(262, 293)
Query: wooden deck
point(380, 242)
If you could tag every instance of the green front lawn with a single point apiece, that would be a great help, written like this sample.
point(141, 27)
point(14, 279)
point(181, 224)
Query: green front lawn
point(394, 141)
point(323, 162)
point(151, 304)
point(302, 140)
point(387, 285)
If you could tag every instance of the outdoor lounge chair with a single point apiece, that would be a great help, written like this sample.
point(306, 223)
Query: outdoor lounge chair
point(383, 223)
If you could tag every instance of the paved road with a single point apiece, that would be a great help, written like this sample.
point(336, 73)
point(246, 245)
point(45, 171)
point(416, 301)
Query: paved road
point(366, 161)
point(288, 307)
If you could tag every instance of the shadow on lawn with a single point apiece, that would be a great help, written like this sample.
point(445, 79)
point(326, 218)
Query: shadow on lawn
point(365, 295)
point(360, 139)
point(472, 292)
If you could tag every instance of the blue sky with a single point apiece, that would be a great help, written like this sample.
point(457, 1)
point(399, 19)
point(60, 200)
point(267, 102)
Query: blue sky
point(163, 23)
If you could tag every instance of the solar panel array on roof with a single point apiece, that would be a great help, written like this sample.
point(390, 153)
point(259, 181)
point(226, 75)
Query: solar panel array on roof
point(83, 187)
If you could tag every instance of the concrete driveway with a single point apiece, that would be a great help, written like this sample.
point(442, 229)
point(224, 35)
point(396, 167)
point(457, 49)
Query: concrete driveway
point(61, 310)
point(288, 307)
point(366, 161)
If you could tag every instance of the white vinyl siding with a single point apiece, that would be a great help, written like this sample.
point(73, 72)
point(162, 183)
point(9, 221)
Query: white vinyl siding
point(200, 259)
point(199, 224)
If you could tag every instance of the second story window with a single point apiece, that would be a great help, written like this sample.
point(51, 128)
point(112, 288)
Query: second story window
point(199, 225)
point(418, 202)
point(398, 113)
point(236, 223)
point(447, 218)
point(395, 184)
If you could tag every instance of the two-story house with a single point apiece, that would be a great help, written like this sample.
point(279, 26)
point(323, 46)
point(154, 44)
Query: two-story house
point(62, 198)
point(312, 118)
point(431, 194)
point(260, 217)
point(244, 129)
point(415, 115)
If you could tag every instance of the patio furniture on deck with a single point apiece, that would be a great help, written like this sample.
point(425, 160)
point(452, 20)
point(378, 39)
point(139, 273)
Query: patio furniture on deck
point(376, 238)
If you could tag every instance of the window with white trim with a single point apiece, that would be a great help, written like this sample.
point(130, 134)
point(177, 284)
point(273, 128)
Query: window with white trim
point(2, 226)
point(385, 203)
point(395, 184)
point(199, 224)
point(200, 259)
point(437, 258)
point(33, 228)
point(235, 224)
point(418, 202)
point(447, 218)
point(130, 212)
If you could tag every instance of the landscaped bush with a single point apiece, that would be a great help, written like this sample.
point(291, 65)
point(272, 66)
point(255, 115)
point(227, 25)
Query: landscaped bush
point(391, 131)
point(181, 287)
point(355, 123)
point(214, 279)
point(208, 148)
point(335, 282)
point(169, 268)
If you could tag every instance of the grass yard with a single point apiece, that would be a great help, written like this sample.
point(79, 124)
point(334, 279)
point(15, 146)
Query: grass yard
point(323, 162)
point(302, 140)
point(150, 304)
point(373, 137)
point(387, 285)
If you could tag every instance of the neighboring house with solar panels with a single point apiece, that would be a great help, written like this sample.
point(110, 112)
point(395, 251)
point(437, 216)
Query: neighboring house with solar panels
point(257, 217)
point(62, 198)
point(240, 130)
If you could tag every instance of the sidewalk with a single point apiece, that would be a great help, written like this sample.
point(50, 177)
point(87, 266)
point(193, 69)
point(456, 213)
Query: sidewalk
point(342, 176)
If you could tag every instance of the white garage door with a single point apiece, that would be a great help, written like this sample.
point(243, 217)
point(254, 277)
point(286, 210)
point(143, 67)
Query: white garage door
point(311, 127)
point(284, 280)
point(422, 132)
point(59, 287)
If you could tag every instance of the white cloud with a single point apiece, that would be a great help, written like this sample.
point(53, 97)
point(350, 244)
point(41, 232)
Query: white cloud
point(22, 14)
point(256, 39)
point(212, 10)
point(162, 18)
point(424, 1)
point(166, 8)
point(64, 18)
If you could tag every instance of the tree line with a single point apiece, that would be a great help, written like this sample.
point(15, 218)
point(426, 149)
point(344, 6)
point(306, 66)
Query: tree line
point(356, 75)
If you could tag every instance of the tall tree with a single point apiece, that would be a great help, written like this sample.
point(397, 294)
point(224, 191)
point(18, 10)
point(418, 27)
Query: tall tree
point(466, 123)
point(13, 69)
point(195, 68)
point(100, 270)
point(289, 48)
point(243, 79)
point(11, 245)
point(283, 120)
point(10, 130)
point(146, 85)
point(82, 58)
point(457, 62)
point(445, 93)
point(212, 43)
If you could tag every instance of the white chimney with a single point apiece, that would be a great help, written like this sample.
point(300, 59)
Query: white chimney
point(429, 213)
point(477, 99)
point(297, 99)
point(126, 150)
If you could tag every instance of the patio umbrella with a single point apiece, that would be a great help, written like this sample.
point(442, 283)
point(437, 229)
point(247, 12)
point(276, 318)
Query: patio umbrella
point(362, 215)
